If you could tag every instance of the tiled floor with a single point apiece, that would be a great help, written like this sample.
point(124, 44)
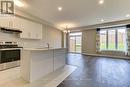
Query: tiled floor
point(97, 72)
point(12, 78)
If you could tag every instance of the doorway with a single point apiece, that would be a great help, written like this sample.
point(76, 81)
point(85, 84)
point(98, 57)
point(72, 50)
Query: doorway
point(75, 40)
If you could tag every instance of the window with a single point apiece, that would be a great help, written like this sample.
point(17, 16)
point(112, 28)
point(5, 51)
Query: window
point(113, 39)
point(121, 39)
point(103, 40)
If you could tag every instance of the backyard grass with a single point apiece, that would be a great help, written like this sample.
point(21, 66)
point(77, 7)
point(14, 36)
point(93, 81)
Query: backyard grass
point(78, 48)
point(103, 47)
point(112, 47)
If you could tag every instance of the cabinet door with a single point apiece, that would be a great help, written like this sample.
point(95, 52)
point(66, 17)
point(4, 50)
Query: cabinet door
point(59, 58)
point(31, 30)
point(4, 22)
point(25, 28)
point(10, 22)
point(41, 64)
point(16, 24)
point(39, 31)
point(36, 30)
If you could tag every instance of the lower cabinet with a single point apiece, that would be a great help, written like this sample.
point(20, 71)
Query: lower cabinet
point(59, 58)
point(36, 64)
point(41, 64)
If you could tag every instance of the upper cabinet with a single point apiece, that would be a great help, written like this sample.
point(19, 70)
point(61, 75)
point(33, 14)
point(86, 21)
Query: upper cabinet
point(15, 23)
point(30, 29)
point(4, 22)
point(10, 22)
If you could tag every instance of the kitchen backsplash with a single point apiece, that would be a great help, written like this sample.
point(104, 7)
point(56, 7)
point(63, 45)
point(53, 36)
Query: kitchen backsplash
point(22, 42)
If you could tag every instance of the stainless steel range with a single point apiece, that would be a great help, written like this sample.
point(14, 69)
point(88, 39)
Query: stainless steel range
point(9, 55)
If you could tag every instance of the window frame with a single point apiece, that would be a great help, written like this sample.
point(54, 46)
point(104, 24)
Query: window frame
point(116, 39)
point(115, 44)
point(106, 32)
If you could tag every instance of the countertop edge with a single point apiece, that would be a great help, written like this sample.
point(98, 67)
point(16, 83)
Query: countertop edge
point(40, 49)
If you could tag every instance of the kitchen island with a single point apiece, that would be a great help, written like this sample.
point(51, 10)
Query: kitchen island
point(37, 63)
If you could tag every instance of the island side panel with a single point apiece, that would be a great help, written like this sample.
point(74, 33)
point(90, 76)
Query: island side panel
point(41, 64)
point(59, 58)
point(25, 65)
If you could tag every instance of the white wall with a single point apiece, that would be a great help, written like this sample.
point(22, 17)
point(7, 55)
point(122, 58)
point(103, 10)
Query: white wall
point(89, 45)
point(52, 36)
point(89, 41)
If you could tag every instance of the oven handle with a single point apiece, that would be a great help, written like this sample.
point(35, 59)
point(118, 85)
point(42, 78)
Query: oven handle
point(11, 49)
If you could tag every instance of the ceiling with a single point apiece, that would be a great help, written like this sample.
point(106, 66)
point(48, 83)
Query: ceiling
point(78, 13)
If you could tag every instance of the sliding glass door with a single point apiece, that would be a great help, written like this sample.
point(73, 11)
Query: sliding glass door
point(75, 42)
point(78, 44)
point(72, 44)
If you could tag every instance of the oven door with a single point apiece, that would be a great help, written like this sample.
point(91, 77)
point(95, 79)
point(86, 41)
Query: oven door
point(9, 55)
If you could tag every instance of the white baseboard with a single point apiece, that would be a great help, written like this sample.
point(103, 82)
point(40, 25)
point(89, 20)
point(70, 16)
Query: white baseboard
point(100, 55)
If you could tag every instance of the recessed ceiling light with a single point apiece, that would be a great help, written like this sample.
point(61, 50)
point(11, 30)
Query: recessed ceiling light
point(102, 20)
point(101, 1)
point(128, 15)
point(18, 3)
point(60, 8)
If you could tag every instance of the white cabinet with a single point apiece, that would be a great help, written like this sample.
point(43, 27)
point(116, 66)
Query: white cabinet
point(4, 22)
point(30, 30)
point(37, 63)
point(41, 64)
point(15, 23)
point(59, 58)
point(10, 22)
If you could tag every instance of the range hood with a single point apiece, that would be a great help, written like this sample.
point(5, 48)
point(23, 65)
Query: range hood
point(8, 30)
